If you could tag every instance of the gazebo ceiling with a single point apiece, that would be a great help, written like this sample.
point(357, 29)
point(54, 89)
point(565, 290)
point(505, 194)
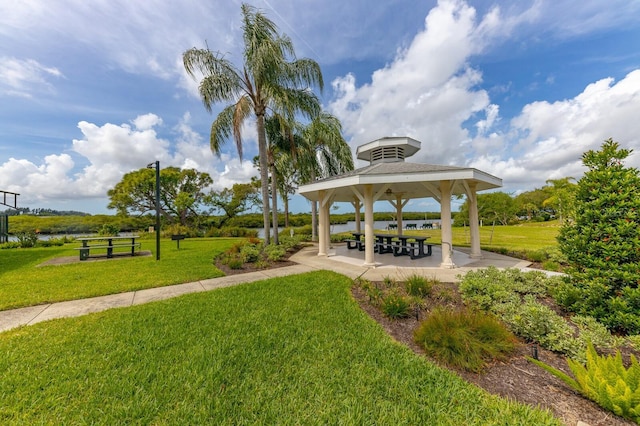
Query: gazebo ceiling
point(409, 180)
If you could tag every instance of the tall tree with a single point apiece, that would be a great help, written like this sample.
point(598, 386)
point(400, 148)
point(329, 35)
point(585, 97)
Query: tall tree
point(280, 141)
point(602, 245)
point(233, 201)
point(492, 207)
point(270, 78)
point(182, 193)
point(562, 197)
point(324, 153)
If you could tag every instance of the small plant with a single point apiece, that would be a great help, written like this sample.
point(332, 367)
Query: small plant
point(388, 281)
point(465, 339)
point(445, 295)
point(10, 245)
point(417, 285)
point(249, 253)
point(261, 264)
point(604, 380)
point(550, 265)
point(634, 341)
point(109, 229)
point(591, 331)
point(538, 323)
point(235, 262)
point(394, 305)
point(27, 239)
point(274, 253)
point(372, 291)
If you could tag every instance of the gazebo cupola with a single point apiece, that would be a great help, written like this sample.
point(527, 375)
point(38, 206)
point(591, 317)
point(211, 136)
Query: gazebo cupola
point(388, 150)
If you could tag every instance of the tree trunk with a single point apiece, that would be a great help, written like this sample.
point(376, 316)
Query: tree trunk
point(314, 213)
point(285, 205)
point(274, 204)
point(264, 175)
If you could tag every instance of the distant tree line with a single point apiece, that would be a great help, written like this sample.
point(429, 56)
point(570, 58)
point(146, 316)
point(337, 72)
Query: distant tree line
point(555, 200)
point(41, 212)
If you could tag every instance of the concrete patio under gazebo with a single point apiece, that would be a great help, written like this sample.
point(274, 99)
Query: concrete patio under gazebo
point(388, 177)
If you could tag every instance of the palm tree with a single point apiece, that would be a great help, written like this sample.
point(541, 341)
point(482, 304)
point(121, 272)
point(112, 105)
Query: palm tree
point(562, 196)
point(271, 78)
point(326, 154)
point(280, 142)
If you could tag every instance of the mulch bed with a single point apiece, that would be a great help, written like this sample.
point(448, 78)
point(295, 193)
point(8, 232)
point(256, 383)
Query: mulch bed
point(516, 378)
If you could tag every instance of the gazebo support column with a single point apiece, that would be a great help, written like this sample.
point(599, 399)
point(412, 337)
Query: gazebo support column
point(399, 206)
point(326, 207)
point(322, 234)
point(445, 231)
point(473, 221)
point(356, 206)
point(369, 238)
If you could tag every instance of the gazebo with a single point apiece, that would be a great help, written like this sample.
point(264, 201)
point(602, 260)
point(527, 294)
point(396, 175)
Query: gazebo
point(388, 177)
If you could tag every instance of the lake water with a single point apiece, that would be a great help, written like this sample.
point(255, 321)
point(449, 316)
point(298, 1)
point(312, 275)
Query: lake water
point(378, 224)
point(335, 229)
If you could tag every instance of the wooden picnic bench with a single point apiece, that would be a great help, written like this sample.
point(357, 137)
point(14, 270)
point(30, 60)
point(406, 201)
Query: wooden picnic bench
point(108, 243)
point(415, 249)
point(356, 241)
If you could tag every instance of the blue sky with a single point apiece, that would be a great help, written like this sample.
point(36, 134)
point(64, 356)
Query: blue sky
point(92, 90)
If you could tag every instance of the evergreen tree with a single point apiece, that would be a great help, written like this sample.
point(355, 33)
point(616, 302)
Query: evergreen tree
point(602, 244)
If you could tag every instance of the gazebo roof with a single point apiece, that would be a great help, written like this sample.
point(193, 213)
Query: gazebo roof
point(391, 176)
point(411, 180)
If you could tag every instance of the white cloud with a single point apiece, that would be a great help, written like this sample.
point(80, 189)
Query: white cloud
point(113, 150)
point(428, 91)
point(547, 140)
point(23, 77)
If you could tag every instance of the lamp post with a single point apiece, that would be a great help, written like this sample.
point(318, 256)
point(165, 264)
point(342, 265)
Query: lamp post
point(156, 166)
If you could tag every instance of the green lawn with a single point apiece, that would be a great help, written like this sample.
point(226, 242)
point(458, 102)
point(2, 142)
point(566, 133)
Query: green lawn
point(519, 238)
point(22, 283)
point(294, 350)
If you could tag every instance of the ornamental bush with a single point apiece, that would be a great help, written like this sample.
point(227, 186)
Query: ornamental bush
point(466, 339)
point(602, 243)
point(606, 381)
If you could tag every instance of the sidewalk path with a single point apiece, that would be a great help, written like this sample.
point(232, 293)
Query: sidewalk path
point(306, 259)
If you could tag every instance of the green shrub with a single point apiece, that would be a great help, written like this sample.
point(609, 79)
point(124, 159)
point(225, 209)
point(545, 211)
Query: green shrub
point(606, 381)
point(231, 232)
point(489, 287)
point(633, 341)
point(394, 305)
point(465, 339)
point(51, 242)
point(274, 252)
point(27, 239)
point(538, 323)
point(109, 229)
point(10, 245)
point(602, 243)
point(591, 331)
point(373, 292)
point(261, 264)
point(417, 285)
point(550, 265)
point(388, 282)
point(249, 253)
point(235, 262)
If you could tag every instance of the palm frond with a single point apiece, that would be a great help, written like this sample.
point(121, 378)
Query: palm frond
point(228, 124)
point(221, 80)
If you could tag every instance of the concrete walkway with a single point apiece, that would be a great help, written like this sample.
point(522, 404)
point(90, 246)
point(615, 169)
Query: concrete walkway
point(341, 260)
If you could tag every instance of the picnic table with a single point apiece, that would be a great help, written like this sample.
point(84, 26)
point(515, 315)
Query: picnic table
point(415, 249)
point(108, 243)
point(399, 245)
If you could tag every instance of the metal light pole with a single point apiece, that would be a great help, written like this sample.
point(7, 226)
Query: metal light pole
point(156, 166)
